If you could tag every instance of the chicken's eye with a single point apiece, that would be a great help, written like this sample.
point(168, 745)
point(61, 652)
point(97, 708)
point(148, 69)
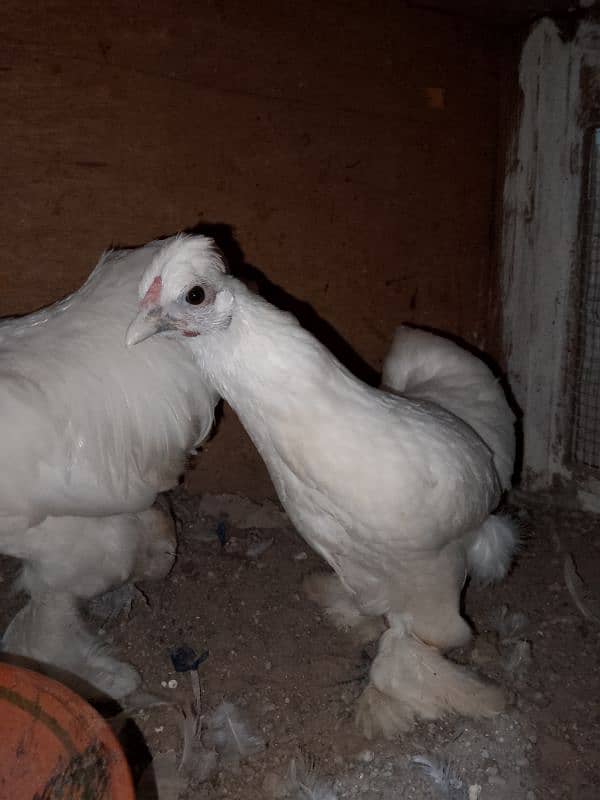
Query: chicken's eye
point(195, 296)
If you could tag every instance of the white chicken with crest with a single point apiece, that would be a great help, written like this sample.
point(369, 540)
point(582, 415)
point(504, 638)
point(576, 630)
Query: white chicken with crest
point(395, 489)
point(91, 432)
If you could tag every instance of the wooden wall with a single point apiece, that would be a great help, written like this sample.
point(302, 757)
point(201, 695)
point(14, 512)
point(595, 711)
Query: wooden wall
point(350, 145)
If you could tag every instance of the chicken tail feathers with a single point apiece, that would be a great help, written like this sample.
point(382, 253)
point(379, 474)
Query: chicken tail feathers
point(423, 366)
point(490, 549)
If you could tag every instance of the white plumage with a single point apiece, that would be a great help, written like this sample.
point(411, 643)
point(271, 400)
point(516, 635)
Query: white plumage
point(395, 491)
point(91, 431)
point(429, 367)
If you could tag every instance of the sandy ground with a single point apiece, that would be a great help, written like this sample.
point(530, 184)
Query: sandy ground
point(293, 680)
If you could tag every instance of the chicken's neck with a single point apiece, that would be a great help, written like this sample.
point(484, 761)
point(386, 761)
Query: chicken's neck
point(268, 368)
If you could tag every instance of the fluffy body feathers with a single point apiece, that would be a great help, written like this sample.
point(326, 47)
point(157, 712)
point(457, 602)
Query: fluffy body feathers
point(91, 432)
point(394, 489)
point(89, 426)
point(429, 367)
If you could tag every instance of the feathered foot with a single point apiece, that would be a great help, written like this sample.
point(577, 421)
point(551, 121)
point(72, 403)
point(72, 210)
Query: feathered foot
point(327, 591)
point(410, 680)
point(378, 714)
point(50, 633)
point(157, 546)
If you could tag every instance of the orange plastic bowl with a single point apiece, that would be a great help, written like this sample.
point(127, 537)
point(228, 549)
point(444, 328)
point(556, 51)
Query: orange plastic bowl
point(55, 745)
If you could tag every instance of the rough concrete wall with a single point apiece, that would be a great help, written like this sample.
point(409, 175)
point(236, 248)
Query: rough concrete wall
point(351, 146)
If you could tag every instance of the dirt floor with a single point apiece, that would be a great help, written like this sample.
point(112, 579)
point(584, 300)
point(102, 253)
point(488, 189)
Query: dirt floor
point(235, 598)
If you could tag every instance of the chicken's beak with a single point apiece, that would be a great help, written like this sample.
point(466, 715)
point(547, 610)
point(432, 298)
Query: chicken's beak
point(146, 324)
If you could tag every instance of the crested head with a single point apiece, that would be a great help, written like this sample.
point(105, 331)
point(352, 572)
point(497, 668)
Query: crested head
point(185, 291)
point(242, 344)
point(182, 260)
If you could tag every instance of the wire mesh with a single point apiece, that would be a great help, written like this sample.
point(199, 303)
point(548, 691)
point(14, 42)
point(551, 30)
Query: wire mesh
point(586, 392)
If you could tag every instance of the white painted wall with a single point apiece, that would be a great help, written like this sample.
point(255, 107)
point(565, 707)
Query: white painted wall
point(540, 254)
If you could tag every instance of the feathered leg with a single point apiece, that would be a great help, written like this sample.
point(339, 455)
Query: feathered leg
point(410, 678)
point(50, 634)
point(341, 608)
point(156, 546)
point(71, 559)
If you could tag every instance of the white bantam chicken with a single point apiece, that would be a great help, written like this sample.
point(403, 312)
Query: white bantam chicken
point(395, 491)
point(91, 431)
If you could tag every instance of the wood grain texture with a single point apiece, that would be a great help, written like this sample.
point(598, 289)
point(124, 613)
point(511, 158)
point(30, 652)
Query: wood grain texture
point(308, 127)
